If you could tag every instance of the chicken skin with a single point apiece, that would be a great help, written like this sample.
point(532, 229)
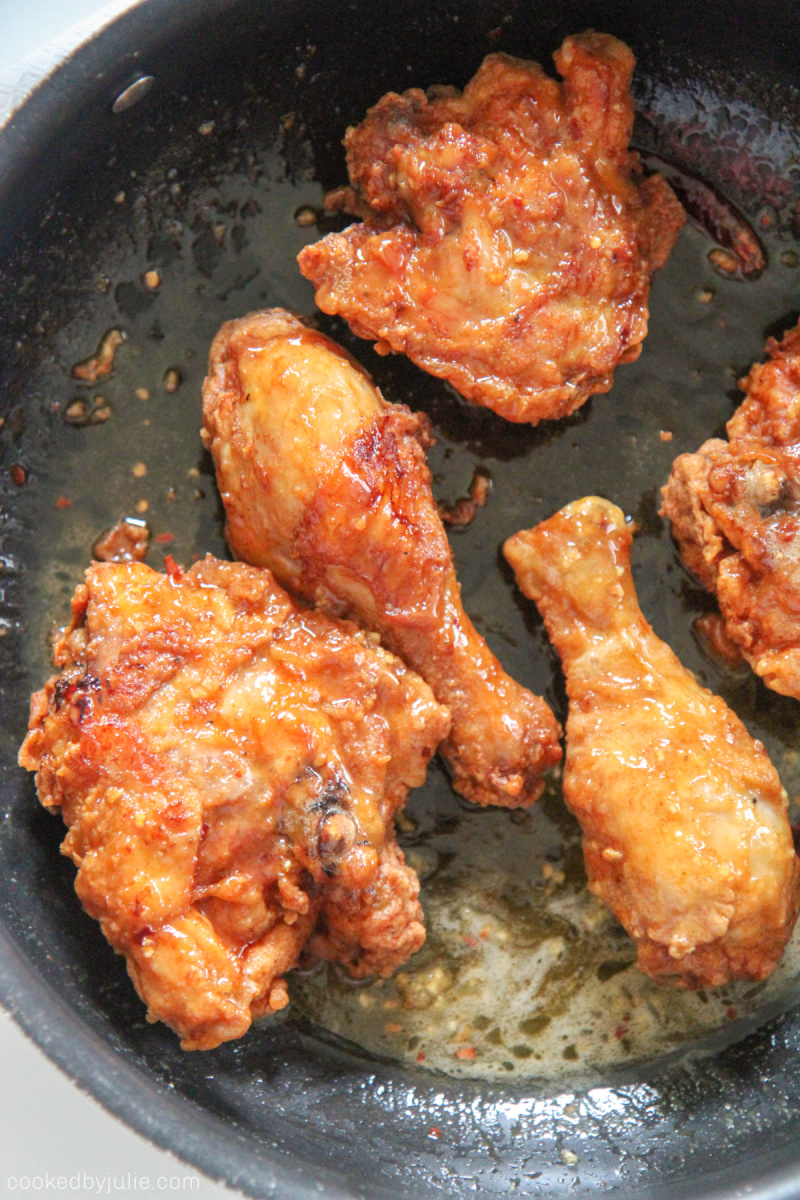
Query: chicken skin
point(685, 832)
point(735, 513)
point(508, 237)
point(327, 485)
point(229, 766)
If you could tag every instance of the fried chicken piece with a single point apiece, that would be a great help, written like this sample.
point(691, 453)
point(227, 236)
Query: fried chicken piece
point(327, 485)
point(229, 765)
point(509, 237)
point(685, 832)
point(735, 513)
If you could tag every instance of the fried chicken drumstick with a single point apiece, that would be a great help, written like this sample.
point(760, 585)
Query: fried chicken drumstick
point(509, 237)
point(735, 513)
point(229, 766)
point(685, 832)
point(327, 485)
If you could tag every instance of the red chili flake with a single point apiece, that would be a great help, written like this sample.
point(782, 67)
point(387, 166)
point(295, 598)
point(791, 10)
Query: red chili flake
point(63, 502)
point(421, 1056)
point(730, 1013)
point(172, 568)
point(471, 941)
point(434, 1133)
point(620, 1031)
point(465, 1052)
point(19, 475)
point(164, 538)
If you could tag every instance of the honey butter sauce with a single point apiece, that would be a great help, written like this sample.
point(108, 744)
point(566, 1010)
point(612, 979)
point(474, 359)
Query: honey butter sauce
point(523, 973)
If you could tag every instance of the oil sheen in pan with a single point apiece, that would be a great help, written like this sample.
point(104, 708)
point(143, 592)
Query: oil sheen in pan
point(523, 974)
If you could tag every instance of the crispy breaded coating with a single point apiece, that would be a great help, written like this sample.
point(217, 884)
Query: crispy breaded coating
point(327, 485)
point(735, 513)
point(508, 237)
point(229, 766)
point(685, 832)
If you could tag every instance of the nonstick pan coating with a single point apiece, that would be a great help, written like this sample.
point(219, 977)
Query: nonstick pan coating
point(201, 181)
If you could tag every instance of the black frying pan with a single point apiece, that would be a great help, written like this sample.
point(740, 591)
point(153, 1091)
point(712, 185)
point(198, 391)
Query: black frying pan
point(89, 201)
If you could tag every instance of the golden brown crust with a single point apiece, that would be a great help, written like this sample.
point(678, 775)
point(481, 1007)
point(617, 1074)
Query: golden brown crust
point(369, 931)
point(229, 766)
point(508, 239)
point(327, 484)
point(735, 513)
point(685, 829)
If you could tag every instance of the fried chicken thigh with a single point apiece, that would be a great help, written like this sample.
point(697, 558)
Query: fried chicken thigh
point(685, 832)
point(508, 236)
point(229, 766)
point(735, 513)
point(327, 484)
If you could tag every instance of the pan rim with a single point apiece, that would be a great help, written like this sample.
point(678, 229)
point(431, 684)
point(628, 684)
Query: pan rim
point(18, 85)
point(171, 1121)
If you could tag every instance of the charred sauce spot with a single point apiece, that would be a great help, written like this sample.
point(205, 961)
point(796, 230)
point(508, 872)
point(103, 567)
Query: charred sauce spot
point(84, 703)
point(333, 796)
point(64, 690)
point(336, 836)
point(81, 691)
point(89, 683)
point(87, 690)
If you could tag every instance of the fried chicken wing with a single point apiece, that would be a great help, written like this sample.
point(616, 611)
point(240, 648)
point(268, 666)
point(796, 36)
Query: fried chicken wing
point(327, 484)
point(735, 513)
point(509, 237)
point(685, 832)
point(229, 765)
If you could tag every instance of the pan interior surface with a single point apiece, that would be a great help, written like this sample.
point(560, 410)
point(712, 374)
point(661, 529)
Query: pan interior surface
point(189, 208)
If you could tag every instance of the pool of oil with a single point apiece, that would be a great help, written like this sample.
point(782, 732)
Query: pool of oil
point(523, 974)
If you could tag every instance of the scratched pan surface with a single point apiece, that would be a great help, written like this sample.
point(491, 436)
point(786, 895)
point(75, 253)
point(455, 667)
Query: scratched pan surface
point(201, 182)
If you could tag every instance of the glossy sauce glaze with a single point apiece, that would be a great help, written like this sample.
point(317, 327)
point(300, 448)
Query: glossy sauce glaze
point(481, 869)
